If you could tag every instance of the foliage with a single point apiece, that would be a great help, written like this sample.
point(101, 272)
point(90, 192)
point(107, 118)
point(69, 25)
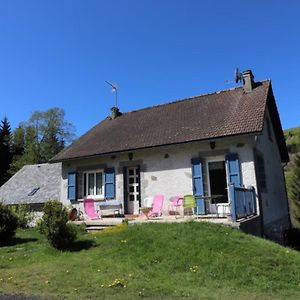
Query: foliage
point(159, 261)
point(8, 223)
point(5, 150)
point(293, 186)
point(292, 138)
point(23, 213)
point(52, 132)
point(40, 138)
point(54, 225)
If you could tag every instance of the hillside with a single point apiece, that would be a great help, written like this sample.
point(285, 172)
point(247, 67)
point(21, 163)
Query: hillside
point(153, 261)
point(292, 137)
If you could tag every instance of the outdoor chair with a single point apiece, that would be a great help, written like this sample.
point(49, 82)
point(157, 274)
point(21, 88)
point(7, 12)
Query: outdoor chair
point(177, 203)
point(189, 204)
point(89, 209)
point(156, 210)
point(146, 207)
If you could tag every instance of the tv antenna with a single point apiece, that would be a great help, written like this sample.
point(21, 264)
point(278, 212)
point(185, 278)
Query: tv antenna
point(114, 90)
point(238, 76)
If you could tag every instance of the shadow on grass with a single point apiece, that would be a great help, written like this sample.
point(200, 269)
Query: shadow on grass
point(16, 241)
point(81, 245)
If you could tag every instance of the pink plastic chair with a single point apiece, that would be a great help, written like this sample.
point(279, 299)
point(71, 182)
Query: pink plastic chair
point(158, 201)
point(89, 209)
point(177, 202)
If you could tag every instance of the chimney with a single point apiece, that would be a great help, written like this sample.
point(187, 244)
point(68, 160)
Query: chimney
point(248, 81)
point(115, 112)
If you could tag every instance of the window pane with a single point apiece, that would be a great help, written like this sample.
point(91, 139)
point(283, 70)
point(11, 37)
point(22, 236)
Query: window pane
point(91, 184)
point(98, 183)
point(131, 180)
point(131, 172)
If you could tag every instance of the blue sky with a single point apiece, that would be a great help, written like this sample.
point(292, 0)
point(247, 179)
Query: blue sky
point(59, 53)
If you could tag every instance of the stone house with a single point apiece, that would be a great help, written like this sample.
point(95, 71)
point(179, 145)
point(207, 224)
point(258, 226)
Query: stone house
point(227, 144)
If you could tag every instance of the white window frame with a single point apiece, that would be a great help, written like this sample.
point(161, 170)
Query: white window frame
point(85, 175)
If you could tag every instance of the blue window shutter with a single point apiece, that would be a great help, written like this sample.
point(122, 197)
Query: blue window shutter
point(72, 186)
point(197, 177)
point(125, 190)
point(233, 169)
point(109, 183)
point(198, 185)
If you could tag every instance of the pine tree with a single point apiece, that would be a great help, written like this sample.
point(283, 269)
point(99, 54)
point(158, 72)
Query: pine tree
point(5, 150)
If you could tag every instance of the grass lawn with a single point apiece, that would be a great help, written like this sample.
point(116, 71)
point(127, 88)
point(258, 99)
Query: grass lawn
point(152, 261)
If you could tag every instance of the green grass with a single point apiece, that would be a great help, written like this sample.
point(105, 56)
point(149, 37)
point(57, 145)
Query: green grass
point(152, 261)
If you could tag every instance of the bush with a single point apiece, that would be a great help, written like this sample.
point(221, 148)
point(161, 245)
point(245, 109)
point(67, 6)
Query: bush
point(54, 225)
point(23, 213)
point(8, 223)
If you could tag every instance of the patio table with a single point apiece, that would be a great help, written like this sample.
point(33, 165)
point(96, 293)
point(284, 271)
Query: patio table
point(212, 200)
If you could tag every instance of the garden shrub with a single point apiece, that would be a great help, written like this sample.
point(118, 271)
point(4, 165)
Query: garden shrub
point(54, 225)
point(8, 223)
point(23, 213)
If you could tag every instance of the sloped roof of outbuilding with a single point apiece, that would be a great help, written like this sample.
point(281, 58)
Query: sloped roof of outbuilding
point(216, 115)
point(33, 184)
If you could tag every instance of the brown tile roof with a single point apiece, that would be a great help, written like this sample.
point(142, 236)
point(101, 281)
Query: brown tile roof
point(220, 114)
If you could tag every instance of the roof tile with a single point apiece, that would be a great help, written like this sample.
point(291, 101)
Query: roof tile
point(225, 113)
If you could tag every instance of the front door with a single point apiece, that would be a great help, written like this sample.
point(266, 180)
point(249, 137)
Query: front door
point(218, 187)
point(132, 190)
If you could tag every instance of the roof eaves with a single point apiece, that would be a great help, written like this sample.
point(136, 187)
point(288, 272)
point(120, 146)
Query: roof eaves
point(253, 133)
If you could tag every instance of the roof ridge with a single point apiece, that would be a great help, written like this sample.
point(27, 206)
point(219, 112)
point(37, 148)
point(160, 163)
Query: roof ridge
point(189, 98)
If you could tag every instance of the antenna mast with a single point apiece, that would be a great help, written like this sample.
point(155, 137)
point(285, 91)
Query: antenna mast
point(115, 90)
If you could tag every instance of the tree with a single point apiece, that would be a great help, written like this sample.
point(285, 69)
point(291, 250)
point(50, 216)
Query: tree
point(293, 183)
point(5, 150)
point(39, 139)
point(52, 132)
point(18, 149)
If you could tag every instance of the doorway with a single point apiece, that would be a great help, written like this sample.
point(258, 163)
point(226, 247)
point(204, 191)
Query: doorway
point(217, 181)
point(132, 186)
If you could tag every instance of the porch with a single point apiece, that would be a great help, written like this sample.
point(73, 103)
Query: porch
point(241, 206)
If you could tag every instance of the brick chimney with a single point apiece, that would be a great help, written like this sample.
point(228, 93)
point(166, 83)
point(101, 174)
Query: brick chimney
point(115, 112)
point(248, 81)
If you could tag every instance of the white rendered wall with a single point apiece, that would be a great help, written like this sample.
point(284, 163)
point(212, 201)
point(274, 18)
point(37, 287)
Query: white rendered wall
point(169, 176)
point(274, 199)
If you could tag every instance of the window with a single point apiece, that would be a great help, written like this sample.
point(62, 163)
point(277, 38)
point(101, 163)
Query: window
point(33, 191)
point(261, 174)
point(93, 184)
